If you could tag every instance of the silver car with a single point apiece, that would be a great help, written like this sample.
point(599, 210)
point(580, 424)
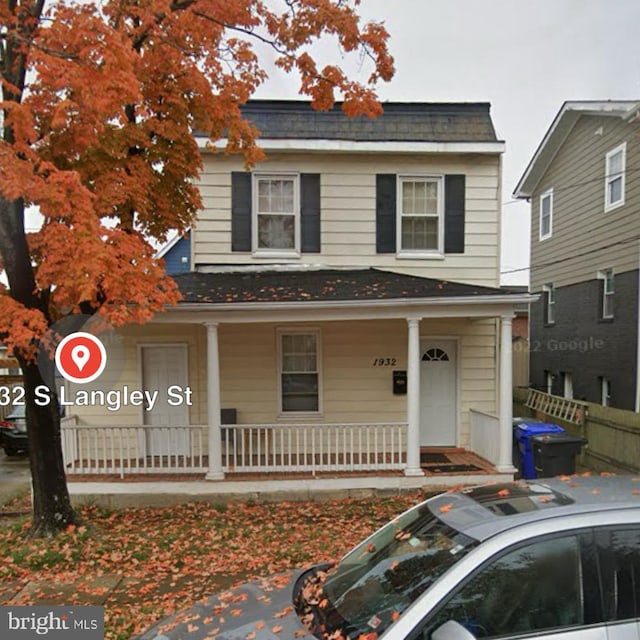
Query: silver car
point(555, 559)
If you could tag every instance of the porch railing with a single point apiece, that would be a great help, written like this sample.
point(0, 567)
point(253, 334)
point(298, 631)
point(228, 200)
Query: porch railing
point(485, 435)
point(146, 449)
point(134, 449)
point(314, 447)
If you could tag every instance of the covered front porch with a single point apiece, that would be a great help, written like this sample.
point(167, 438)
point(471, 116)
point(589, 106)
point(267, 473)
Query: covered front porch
point(356, 386)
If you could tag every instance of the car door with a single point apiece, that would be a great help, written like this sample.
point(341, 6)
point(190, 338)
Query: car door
point(618, 553)
point(545, 588)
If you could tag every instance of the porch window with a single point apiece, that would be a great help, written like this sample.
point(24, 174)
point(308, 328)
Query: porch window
point(276, 213)
point(299, 372)
point(420, 213)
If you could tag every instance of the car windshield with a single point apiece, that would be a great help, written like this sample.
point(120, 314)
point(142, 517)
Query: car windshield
point(375, 582)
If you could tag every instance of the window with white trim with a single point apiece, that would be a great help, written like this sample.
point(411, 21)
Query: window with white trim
point(546, 214)
point(549, 303)
point(548, 381)
point(605, 390)
point(614, 179)
point(567, 383)
point(420, 214)
point(299, 371)
point(276, 213)
point(608, 291)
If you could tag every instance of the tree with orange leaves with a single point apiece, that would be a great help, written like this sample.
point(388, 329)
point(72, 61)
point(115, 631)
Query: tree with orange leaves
point(100, 103)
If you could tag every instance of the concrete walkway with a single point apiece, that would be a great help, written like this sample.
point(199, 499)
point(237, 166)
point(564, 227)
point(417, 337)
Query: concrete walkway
point(166, 493)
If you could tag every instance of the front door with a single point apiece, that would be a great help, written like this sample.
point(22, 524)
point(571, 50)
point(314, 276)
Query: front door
point(162, 367)
point(438, 393)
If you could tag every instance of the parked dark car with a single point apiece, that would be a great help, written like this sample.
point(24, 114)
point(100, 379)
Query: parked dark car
point(555, 559)
point(13, 431)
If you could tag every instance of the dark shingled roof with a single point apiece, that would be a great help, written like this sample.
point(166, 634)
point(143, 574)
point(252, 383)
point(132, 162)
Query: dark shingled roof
point(317, 285)
point(401, 121)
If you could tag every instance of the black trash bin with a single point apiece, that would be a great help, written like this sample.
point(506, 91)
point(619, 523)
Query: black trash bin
point(524, 432)
point(555, 454)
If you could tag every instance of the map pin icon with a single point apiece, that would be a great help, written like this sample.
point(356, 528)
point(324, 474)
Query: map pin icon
point(80, 356)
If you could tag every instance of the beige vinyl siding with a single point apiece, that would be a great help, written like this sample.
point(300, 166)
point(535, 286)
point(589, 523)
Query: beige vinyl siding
point(353, 390)
point(348, 216)
point(583, 233)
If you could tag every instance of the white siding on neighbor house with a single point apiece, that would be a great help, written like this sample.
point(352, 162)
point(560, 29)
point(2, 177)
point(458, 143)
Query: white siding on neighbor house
point(348, 212)
point(585, 239)
point(354, 391)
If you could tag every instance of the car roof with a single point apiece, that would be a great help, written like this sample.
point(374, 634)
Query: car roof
point(486, 510)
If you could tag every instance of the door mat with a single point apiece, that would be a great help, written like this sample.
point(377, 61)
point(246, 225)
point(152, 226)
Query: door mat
point(450, 468)
point(433, 458)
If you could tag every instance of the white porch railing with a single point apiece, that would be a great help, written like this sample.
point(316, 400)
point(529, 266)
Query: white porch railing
point(485, 435)
point(134, 449)
point(314, 447)
point(145, 449)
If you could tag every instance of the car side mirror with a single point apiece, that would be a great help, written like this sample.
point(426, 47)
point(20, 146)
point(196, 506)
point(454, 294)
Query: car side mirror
point(452, 630)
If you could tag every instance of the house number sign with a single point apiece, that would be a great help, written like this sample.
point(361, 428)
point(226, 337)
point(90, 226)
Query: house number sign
point(384, 362)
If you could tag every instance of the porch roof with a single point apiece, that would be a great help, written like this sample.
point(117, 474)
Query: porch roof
point(322, 285)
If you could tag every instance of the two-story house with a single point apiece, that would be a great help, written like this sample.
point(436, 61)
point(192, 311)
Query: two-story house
point(341, 305)
point(585, 252)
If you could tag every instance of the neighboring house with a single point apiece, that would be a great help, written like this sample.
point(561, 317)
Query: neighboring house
point(342, 307)
point(177, 254)
point(520, 334)
point(584, 191)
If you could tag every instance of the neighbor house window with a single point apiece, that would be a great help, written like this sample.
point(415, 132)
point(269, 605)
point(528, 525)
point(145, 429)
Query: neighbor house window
point(276, 213)
point(608, 290)
point(546, 214)
point(614, 177)
point(549, 303)
point(548, 381)
point(420, 214)
point(567, 380)
point(299, 372)
point(605, 387)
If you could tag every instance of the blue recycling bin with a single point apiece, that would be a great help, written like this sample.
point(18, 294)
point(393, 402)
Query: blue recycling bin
point(523, 432)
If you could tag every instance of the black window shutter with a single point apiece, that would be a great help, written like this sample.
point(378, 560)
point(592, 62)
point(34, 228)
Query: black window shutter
point(240, 211)
point(454, 187)
point(386, 213)
point(310, 212)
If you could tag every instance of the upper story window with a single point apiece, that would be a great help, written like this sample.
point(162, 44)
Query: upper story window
point(546, 214)
point(420, 215)
point(549, 303)
point(608, 291)
point(276, 209)
point(614, 177)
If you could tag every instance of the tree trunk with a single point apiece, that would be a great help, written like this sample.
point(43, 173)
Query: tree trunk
point(52, 510)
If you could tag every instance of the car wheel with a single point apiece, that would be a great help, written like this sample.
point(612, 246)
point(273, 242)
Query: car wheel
point(10, 451)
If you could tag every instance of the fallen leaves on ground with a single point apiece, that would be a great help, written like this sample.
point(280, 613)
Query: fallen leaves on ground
point(167, 558)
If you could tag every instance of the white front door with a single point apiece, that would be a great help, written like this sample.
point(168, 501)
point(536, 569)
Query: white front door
point(438, 393)
point(162, 367)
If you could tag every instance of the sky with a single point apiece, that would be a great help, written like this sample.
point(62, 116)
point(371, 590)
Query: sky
point(525, 57)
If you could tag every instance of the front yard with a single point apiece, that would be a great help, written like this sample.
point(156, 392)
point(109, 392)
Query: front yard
point(142, 564)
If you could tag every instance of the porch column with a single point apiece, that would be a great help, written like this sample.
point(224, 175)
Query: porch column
point(505, 463)
point(413, 399)
point(213, 404)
